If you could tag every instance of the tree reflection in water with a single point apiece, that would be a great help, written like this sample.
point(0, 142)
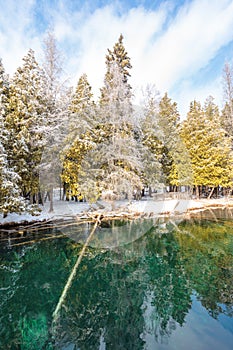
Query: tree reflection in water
point(146, 287)
point(121, 296)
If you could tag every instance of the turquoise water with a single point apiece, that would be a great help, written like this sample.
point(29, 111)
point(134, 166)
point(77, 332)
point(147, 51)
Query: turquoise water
point(167, 286)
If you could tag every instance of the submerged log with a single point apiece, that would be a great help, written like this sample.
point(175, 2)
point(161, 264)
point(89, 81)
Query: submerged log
point(72, 274)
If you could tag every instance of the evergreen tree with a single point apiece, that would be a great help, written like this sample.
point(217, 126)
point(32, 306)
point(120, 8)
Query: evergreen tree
point(151, 140)
point(120, 157)
point(168, 119)
point(208, 146)
point(10, 196)
point(82, 97)
point(25, 108)
point(120, 160)
point(4, 89)
point(82, 109)
point(80, 137)
point(118, 56)
point(221, 160)
point(175, 159)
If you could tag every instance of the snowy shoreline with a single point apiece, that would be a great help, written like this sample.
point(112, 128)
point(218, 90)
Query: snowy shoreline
point(64, 210)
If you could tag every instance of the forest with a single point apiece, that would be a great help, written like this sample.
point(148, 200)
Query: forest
point(52, 135)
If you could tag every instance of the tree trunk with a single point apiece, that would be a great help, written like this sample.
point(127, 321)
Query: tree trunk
point(51, 209)
point(211, 192)
point(47, 196)
point(150, 191)
point(31, 198)
point(197, 191)
point(60, 185)
point(41, 198)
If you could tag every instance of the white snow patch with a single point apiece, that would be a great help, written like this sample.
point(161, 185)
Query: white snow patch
point(68, 210)
point(62, 210)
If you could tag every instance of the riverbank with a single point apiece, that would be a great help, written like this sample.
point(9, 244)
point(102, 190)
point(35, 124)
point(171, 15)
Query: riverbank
point(64, 210)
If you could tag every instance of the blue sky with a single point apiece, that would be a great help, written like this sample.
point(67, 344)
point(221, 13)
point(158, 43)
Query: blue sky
point(178, 46)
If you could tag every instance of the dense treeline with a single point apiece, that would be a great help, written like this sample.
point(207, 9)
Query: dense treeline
point(53, 136)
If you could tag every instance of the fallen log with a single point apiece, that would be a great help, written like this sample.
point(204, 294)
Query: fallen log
point(72, 275)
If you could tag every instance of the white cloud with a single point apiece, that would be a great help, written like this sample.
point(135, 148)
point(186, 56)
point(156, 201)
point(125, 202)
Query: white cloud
point(165, 51)
point(192, 40)
point(17, 33)
point(160, 57)
point(102, 30)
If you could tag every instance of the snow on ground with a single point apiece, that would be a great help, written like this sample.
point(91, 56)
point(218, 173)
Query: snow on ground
point(62, 210)
point(170, 206)
point(68, 210)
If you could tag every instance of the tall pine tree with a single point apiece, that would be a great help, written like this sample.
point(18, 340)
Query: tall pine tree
point(151, 140)
point(116, 57)
point(10, 194)
point(208, 146)
point(175, 159)
point(120, 156)
point(80, 138)
point(25, 108)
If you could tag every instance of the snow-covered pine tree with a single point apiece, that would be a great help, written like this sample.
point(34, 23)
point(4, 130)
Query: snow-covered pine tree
point(150, 137)
point(10, 196)
point(11, 200)
point(25, 109)
point(82, 99)
point(80, 139)
point(119, 56)
point(121, 163)
point(168, 121)
point(4, 88)
point(167, 160)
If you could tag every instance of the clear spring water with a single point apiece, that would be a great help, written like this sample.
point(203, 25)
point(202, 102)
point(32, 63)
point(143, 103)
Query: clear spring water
point(169, 286)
